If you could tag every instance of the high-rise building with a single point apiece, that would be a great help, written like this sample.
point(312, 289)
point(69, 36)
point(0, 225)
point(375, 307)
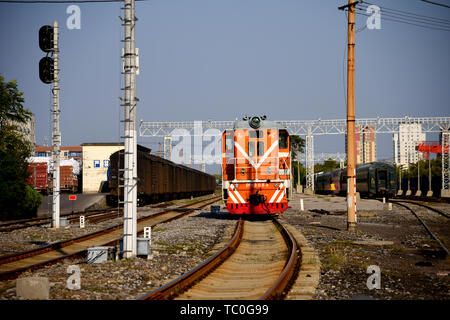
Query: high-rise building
point(366, 144)
point(405, 142)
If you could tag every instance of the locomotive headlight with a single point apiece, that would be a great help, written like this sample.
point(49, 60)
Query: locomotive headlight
point(255, 122)
point(242, 171)
point(276, 185)
point(236, 185)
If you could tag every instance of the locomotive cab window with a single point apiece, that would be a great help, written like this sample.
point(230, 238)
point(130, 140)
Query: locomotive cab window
point(251, 149)
point(260, 148)
point(283, 139)
point(229, 143)
point(255, 134)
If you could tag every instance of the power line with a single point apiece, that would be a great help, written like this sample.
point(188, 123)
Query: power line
point(437, 4)
point(407, 22)
point(410, 14)
point(60, 1)
point(406, 17)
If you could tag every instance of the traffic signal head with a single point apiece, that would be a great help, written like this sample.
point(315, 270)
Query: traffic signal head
point(46, 70)
point(46, 38)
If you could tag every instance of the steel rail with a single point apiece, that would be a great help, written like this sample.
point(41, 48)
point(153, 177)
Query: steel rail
point(425, 226)
point(188, 279)
point(276, 291)
point(10, 274)
point(90, 215)
point(46, 220)
point(280, 287)
point(423, 205)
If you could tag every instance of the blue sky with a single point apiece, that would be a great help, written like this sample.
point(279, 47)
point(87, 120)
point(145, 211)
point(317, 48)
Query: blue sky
point(217, 59)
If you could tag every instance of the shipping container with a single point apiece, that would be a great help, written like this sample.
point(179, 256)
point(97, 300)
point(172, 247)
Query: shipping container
point(39, 177)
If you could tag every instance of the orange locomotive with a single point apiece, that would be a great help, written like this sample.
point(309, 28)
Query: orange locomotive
point(256, 167)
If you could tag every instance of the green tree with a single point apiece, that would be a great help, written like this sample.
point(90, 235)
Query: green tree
point(17, 199)
point(436, 168)
point(327, 165)
point(296, 143)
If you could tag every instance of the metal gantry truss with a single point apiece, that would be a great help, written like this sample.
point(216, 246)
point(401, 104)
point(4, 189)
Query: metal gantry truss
point(309, 160)
point(308, 128)
point(301, 127)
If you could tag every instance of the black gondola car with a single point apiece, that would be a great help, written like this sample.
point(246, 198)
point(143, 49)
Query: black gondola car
point(158, 179)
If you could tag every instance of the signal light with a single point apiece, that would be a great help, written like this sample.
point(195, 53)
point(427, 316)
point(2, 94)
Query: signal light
point(46, 38)
point(46, 70)
point(255, 122)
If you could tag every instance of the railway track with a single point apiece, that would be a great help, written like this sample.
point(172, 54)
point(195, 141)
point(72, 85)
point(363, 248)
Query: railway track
point(90, 216)
point(402, 204)
point(419, 203)
point(261, 261)
point(93, 216)
point(12, 265)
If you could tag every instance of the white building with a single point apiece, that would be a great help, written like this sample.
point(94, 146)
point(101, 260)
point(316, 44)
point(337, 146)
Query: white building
point(405, 142)
point(96, 163)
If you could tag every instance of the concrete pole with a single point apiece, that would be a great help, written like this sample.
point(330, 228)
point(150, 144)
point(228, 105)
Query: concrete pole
point(429, 171)
point(133, 124)
point(351, 152)
point(56, 131)
point(409, 177)
point(130, 163)
point(168, 147)
point(298, 169)
point(418, 177)
point(310, 161)
point(445, 156)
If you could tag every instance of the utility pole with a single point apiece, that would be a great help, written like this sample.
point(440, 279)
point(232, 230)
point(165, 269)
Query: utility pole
point(130, 142)
point(299, 183)
point(351, 144)
point(419, 192)
point(56, 131)
point(429, 171)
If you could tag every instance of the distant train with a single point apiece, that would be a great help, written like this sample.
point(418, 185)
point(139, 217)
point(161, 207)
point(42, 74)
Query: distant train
point(372, 179)
point(256, 167)
point(158, 179)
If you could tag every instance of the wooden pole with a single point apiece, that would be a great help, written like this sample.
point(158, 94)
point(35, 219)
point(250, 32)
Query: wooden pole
point(351, 145)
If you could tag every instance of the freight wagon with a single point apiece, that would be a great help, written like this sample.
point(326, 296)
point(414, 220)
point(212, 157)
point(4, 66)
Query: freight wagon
point(158, 179)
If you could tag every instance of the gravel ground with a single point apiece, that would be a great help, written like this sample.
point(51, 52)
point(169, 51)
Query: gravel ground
point(412, 265)
point(177, 247)
point(34, 237)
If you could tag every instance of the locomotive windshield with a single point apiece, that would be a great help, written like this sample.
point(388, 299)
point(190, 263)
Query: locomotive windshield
point(251, 149)
point(260, 148)
point(229, 143)
point(283, 139)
